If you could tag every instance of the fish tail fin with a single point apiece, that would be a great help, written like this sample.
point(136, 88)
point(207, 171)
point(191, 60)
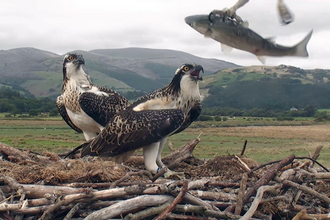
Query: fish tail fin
point(74, 151)
point(301, 50)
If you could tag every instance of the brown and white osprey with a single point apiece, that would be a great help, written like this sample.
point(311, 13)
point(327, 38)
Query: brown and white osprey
point(151, 119)
point(85, 107)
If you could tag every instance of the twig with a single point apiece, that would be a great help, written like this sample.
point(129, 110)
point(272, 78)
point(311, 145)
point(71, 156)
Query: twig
point(239, 202)
point(74, 209)
point(208, 195)
point(257, 200)
point(244, 165)
point(198, 184)
point(159, 174)
point(128, 205)
point(243, 149)
point(188, 217)
point(147, 212)
point(197, 201)
point(267, 177)
point(314, 162)
point(2, 195)
point(303, 215)
point(129, 174)
point(316, 154)
point(13, 184)
point(182, 153)
point(178, 199)
point(223, 184)
point(304, 188)
point(204, 211)
point(12, 151)
point(49, 213)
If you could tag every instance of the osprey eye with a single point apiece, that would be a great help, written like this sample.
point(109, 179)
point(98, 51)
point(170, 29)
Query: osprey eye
point(186, 68)
point(70, 58)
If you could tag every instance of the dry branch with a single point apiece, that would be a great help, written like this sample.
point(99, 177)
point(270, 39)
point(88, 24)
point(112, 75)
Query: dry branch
point(239, 202)
point(257, 200)
point(74, 209)
point(139, 195)
point(243, 149)
point(305, 189)
point(316, 154)
point(14, 152)
point(49, 213)
point(147, 212)
point(267, 177)
point(175, 201)
point(182, 153)
point(128, 205)
point(210, 195)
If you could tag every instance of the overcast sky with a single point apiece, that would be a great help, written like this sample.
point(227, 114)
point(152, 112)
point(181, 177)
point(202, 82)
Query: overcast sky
point(62, 26)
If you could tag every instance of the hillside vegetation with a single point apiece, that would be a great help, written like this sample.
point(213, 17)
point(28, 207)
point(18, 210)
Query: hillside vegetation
point(39, 73)
point(275, 88)
point(229, 90)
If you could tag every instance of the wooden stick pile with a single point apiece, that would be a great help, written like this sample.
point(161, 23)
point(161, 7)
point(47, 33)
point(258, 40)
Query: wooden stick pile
point(287, 189)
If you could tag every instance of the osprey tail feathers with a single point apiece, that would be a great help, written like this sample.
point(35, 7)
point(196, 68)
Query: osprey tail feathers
point(75, 151)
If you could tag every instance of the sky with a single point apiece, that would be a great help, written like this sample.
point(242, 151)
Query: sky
point(62, 26)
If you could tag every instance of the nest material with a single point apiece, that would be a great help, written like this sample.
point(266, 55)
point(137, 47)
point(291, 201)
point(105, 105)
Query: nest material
point(44, 186)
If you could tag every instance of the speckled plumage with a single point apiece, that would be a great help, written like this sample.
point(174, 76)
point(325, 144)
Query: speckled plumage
point(86, 107)
point(151, 119)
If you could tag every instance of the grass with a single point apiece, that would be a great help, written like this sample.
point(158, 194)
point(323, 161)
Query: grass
point(265, 143)
point(324, 110)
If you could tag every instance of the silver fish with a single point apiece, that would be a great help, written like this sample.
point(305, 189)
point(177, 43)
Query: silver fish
point(232, 34)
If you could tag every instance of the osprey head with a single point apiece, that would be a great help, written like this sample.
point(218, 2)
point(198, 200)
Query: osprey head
point(190, 70)
point(186, 78)
point(72, 63)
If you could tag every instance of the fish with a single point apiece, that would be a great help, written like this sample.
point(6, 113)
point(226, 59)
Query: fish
point(233, 34)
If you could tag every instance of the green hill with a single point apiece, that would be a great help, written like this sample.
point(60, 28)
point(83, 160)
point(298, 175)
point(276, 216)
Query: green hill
point(280, 87)
point(39, 73)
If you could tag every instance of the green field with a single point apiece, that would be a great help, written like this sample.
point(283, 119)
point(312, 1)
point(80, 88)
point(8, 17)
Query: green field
point(265, 143)
point(324, 110)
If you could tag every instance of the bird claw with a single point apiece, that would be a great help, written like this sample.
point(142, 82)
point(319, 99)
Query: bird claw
point(228, 13)
point(169, 174)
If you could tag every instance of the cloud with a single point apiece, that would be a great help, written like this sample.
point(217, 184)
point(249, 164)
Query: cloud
point(63, 26)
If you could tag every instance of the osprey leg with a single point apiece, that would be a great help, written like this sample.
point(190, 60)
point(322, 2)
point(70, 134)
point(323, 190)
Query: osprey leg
point(150, 154)
point(159, 155)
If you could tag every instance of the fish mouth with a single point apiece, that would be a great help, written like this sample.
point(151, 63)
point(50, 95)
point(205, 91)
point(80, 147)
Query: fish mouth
point(196, 73)
point(191, 20)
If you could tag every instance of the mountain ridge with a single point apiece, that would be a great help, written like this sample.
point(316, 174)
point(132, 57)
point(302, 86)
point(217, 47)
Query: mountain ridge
point(39, 72)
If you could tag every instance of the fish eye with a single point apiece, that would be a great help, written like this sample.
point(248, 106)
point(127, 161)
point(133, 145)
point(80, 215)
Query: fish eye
point(186, 68)
point(70, 58)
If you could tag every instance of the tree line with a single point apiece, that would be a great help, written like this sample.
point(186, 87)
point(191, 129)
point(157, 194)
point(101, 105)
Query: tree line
point(13, 102)
point(283, 98)
point(269, 94)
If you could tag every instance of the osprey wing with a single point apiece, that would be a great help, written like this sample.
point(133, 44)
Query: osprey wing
point(130, 130)
point(62, 110)
point(101, 107)
point(192, 115)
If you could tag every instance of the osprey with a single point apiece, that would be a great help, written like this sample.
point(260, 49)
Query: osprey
point(86, 108)
point(151, 119)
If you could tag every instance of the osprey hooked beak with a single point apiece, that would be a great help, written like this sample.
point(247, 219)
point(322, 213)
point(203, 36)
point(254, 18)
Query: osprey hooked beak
point(79, 60)
point(195, 73)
